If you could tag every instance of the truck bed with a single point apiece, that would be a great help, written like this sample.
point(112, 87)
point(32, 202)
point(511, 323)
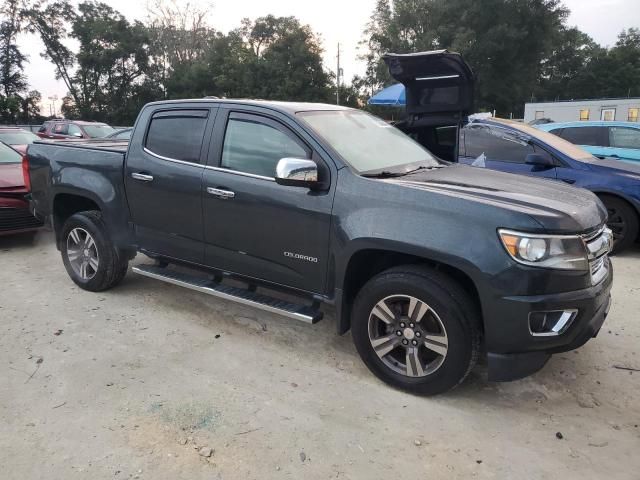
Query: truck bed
point(87, 169)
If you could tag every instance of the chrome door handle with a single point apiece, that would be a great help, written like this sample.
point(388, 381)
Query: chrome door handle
point(217, 192)
point(143, 177)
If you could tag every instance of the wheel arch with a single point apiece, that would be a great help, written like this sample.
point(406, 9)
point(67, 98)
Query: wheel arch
point(65, 204)
point(635, 206)
point(365, 263)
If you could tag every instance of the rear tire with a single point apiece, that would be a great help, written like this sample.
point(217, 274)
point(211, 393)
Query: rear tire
point(416, 329)
point(623, 222)
point(88, 254)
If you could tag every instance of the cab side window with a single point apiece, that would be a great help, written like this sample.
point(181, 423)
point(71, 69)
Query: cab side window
point(254, 145)
point(177, 134)
point(496, 144)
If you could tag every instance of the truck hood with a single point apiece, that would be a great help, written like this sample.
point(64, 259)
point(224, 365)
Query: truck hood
point(557, 207)
point(11, 177)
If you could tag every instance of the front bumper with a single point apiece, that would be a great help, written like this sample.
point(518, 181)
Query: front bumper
point(513, 352)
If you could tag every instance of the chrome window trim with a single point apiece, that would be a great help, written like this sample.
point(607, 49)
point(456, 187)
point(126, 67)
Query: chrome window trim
point(236, 172)
point(175, 160)
point(208, 167)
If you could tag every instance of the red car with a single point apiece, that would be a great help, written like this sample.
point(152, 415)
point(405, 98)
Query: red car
point(17, 138)
point(14, 208)
point(70, 129)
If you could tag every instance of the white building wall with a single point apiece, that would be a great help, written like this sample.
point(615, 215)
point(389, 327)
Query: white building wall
point(570, 111)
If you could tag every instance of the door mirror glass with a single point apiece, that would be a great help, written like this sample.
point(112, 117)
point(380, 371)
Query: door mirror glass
point(297, 172)
point(540, 161)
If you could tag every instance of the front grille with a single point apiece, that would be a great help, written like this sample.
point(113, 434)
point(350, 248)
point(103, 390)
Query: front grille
point(598, 245)
point(17, 219)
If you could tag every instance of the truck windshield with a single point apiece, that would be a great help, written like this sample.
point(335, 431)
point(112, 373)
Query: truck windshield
point(368, 143)
point(98, 131)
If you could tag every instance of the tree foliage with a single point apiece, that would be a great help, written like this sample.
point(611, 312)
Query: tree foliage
point(519, 49)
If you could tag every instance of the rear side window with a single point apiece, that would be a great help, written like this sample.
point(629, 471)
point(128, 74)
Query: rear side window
point(177, 134)
point(623, 137)
point(584, 135)
point(60, 129)
point(496, 144)
point(256, 147)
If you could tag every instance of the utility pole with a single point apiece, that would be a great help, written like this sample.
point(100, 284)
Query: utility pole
point(338, 74)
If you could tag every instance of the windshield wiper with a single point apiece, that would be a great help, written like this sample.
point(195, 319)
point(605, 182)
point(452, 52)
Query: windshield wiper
point(383, 174)
point(388, 174)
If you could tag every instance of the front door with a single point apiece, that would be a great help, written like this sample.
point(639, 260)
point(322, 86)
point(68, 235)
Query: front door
point(496, 148)
point(252, 225)
point(164, 181)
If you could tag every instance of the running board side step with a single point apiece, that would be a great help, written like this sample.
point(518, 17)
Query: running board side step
point(304, 313)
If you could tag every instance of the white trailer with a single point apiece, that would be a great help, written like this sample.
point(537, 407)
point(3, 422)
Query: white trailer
point(608, 109)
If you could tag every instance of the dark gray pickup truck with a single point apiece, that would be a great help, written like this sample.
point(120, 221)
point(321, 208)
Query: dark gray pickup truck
point(429, 264)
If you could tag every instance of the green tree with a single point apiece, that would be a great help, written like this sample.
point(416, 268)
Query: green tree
point(504, 41)
point(111, 62)
point(12, 78)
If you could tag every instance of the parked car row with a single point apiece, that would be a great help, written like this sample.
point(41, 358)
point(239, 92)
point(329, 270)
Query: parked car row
point(70, 129)
point(15, 216)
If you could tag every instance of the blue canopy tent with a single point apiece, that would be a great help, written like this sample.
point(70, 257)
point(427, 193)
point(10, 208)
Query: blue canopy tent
point(391, 96)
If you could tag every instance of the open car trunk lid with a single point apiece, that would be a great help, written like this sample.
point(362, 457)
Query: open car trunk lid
point(439, 85)
point(439, 97)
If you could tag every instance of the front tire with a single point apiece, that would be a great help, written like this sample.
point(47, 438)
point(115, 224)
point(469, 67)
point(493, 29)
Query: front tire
point(416, 329)
point(623, 222)
point(88, 254)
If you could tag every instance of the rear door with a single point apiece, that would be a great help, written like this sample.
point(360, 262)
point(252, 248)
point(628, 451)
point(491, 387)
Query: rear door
point(488, 146)
point(252, 225)
point(163, 178)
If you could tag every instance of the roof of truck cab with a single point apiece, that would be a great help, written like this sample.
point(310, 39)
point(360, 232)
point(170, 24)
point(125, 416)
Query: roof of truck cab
point(287, 107)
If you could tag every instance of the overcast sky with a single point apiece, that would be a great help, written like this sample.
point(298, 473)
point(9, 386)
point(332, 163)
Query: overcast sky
point(335, 21)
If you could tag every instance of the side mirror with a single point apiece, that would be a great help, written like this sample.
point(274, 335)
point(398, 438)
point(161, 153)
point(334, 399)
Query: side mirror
point(542, 162)
point(297, 172)
point(77, 135)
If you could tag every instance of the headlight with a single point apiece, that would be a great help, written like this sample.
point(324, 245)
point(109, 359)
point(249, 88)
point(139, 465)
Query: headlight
point(564, 252)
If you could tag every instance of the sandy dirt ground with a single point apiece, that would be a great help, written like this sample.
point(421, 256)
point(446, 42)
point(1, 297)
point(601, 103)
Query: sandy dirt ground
point(152, 381)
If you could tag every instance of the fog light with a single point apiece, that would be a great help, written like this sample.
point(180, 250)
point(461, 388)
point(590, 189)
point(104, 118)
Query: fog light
point(550, 323)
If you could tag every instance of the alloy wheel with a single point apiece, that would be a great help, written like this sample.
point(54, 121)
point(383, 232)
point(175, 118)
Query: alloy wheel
point(82, 253)
point(408, 335)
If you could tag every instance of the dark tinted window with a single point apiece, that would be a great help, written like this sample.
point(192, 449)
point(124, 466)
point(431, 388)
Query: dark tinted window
point(583, 135)
point(623, 137)
point(255, 147)
point(495, 144)
point(177, 134)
